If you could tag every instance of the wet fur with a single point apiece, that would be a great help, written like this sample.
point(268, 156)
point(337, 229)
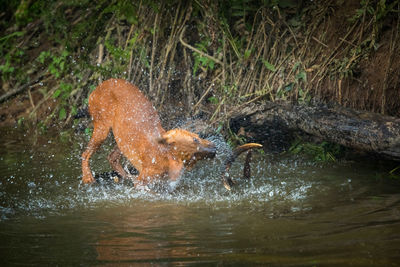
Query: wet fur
point(119, 106)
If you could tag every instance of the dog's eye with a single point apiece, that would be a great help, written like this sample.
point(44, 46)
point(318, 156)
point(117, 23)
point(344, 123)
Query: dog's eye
point(197, 141)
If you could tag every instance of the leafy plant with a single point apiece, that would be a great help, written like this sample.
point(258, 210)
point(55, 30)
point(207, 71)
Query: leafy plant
point(324, 151)
point(304, 97)
point(116, 52)
point(12, 56)
point(200, 60)
point(6, 41)
point(64, 91)
point(269, 66)
point(6, 69)
point(88, 132)
point(58, 65)
point(124, 10)
point(213, 100)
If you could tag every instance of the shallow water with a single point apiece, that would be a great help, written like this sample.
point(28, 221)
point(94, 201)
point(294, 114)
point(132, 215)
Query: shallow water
point(292, 212)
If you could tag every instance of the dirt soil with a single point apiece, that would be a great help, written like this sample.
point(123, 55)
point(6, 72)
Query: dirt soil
point(375, 81)
point(19, 109)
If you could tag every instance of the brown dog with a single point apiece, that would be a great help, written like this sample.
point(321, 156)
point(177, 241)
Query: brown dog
point(154, 152)
point(120, 106)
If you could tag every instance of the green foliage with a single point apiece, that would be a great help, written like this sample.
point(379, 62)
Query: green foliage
point(116, 52)
point(304, 97)
point(247, 54)
point(201, 60)
point(379, 11)
point(57, 64)
point(376, 12)
point(21, 121)
point(63, 93)
point(364, 9)
point(12, 56)
point(62, 114)
point(65, 136)
point(394, 173)
point(263, 45)
point(269, 66)
point(6, 69)
point(324, 151)
point(12, 59)
point(22, 13)
point(124, 10)
point(55, 16)
point(119, 56)
point(299, 79)
point(213, 100)
point(88, 132)
point(235, 140)
point(42, 127)
point(233, 10)
point(5, 39)
point(300, 73)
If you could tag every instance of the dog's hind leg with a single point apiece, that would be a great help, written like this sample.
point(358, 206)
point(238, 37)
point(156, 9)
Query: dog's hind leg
point(115, 161)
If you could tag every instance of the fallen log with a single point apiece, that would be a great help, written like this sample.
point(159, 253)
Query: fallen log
point(276, 122)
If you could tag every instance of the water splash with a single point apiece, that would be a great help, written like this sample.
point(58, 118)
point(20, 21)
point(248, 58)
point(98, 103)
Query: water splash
point(60, 193)
point(42, 181)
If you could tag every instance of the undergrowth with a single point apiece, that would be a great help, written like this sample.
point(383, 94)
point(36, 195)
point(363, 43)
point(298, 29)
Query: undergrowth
point(207, 56)
point(323, 151)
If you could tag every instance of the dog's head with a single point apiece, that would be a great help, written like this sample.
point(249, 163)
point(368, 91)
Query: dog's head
point(188, 146)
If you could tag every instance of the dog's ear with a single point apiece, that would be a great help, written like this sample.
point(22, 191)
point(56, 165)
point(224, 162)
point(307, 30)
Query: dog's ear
point(162, 141)
point(166, 138)
point(169, 137)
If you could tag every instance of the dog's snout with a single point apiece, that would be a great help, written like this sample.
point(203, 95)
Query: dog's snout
point(211, 149)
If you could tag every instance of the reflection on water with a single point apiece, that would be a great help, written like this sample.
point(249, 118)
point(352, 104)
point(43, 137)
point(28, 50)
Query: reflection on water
point(292, 212)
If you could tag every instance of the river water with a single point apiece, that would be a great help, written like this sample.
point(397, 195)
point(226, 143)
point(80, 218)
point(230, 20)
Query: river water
point(292, 212)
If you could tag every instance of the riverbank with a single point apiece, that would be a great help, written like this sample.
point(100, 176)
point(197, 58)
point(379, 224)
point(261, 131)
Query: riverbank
point(198, 59)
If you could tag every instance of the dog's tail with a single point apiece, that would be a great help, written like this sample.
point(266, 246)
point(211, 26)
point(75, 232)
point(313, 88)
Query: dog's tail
point(82, 113)
point(228, 182)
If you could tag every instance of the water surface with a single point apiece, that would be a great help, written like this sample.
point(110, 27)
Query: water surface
point(292, 212)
